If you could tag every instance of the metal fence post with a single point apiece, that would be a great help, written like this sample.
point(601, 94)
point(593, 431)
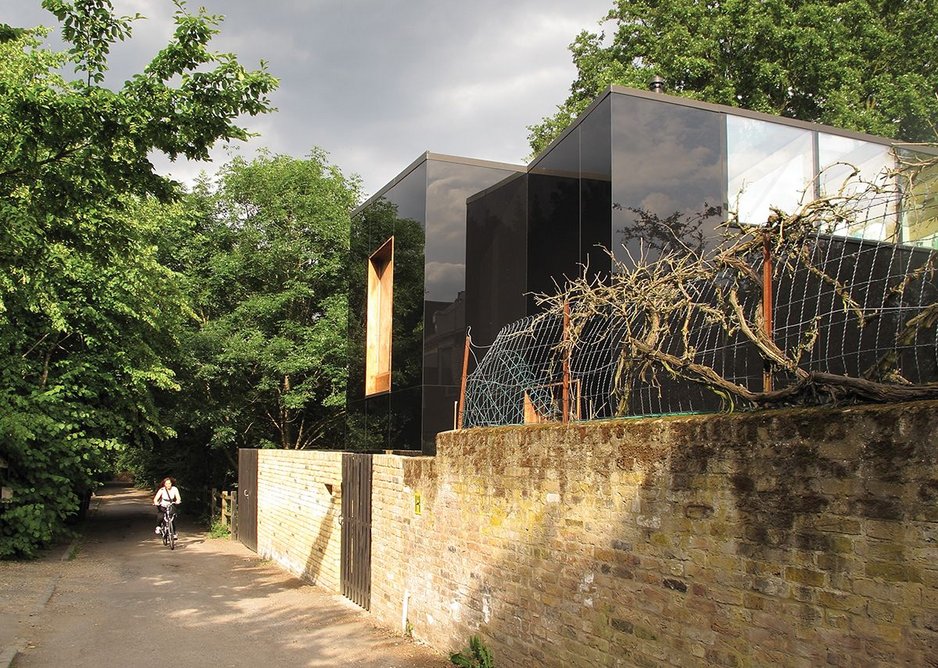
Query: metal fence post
point(462, 384)
point(767, 381)
point(565, 389)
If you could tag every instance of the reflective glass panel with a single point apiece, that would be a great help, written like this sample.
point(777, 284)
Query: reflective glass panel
point(440, 404)
point(920, 205)
point(554, 218)
point(496, 264)
point(409, 200)
point(667, 168)
point(400, 213)
point(596, 189)
point(860, 172)
point(449, 186)
point(768, 165)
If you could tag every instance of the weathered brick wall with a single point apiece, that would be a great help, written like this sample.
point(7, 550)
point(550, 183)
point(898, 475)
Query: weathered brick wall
point(299, 504)
point(403, 535)
point(796, 537)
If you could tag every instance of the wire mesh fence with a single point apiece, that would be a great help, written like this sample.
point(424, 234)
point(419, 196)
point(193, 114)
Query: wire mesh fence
point(842, 306)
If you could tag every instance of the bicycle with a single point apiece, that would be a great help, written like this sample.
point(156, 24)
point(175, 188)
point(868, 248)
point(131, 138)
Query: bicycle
point(168, 526)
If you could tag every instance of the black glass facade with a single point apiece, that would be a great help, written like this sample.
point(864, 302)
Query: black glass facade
point(424, 210)
point(638, 172)
point(496, 273)
point(668, 167)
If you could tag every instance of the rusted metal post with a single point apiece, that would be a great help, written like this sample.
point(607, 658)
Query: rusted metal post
point(565, 390)
point(767, 382)
point(462, 384)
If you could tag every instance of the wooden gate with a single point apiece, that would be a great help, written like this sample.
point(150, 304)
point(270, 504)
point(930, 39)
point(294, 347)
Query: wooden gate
point(247, 497)
point(356, 528)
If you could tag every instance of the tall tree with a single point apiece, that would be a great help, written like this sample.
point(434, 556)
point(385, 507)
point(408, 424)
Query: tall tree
point(264, 254)
point(86, 308)
point(868, 65)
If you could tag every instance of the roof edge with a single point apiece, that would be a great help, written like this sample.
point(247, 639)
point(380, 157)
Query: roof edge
point(668, 98)
point(427, 156)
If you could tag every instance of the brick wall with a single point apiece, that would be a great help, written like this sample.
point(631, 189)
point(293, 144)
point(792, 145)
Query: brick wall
point(299, 504)
point(796, 537)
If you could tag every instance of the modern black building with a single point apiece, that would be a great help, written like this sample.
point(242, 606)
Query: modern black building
point(407, 321)
point(469, 242)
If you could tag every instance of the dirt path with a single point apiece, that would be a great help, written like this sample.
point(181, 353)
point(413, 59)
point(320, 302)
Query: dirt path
point(125, 600)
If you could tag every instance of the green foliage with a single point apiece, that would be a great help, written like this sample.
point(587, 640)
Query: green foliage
point(219, 529)
point(262, 255)
point(88, 314)
point(478, 656)
point(859, 64)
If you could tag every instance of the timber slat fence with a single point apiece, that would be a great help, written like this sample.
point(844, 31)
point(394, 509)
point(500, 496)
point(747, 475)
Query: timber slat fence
point(225, 509)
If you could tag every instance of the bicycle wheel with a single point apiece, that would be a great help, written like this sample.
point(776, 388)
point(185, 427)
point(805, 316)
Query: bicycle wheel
point(165, 538)
point(171, 532)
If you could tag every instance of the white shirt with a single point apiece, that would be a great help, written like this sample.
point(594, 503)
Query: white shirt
point(164, 497)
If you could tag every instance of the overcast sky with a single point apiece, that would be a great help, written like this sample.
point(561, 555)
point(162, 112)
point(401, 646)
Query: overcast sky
point(378, 82)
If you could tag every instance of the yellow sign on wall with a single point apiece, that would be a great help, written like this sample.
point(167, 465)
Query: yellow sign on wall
point(418, 507)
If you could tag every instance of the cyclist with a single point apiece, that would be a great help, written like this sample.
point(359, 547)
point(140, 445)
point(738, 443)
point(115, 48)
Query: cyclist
point(165, 495)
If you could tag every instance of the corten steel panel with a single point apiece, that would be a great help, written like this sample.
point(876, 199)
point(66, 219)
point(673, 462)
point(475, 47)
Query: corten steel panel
point(356, 529)
point(378, 325)
point(247, 497)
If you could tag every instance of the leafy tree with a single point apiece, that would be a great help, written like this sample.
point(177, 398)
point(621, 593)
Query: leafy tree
point(264, 254)
point(868, 65)
point(87, 311)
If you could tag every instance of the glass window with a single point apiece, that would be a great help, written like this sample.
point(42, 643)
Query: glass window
point(860, 171)
point(667, 167)
point(920, 205)
point(449, 185)
point(596, 189)
point(768, 166)
point(554, 218)
point(496, 262)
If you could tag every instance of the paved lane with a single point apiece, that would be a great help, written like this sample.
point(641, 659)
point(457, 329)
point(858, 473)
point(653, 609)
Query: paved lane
point(126, 600)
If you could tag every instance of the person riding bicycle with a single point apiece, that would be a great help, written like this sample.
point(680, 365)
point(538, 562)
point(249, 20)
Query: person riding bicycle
point(165, 495)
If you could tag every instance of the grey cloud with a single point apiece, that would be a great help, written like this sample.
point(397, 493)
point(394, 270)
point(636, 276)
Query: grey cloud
point(377, 83)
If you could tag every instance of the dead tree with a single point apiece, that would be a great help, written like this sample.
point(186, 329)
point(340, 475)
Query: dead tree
point(663, 297)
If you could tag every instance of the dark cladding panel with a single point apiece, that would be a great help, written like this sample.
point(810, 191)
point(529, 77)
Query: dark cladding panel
point(404, 419)
point(667, 161)
point(439, 406)
point(449, 186)
point(496, 263)
point(410, 199)
point(596, 188)
point(554, 218)
point(667, 169)
point(367, 423)
point(399, 212)
point(425, 212)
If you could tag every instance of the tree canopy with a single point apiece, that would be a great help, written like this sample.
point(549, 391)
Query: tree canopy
point(263, 252)
point(867, 65)
point(87, 309)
